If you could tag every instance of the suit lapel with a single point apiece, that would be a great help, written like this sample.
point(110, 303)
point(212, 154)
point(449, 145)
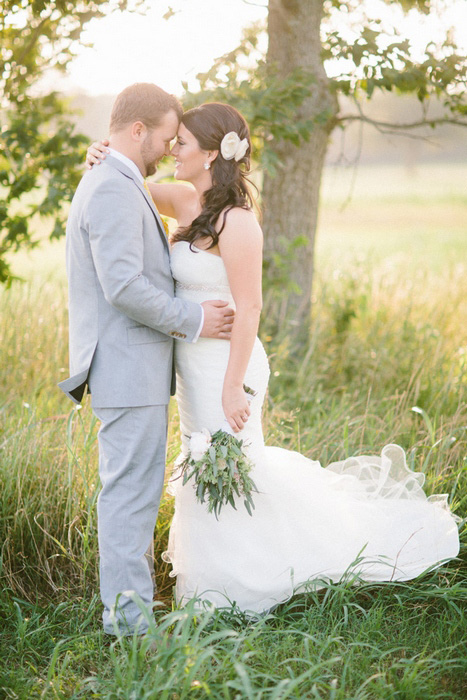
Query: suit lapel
point(150, 201)
point(115, 163)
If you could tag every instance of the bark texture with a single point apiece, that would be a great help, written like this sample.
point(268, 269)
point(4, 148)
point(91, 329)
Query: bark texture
point(291, 197)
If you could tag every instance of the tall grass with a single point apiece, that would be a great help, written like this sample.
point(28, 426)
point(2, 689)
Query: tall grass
point(379, 347)
point(385, 362)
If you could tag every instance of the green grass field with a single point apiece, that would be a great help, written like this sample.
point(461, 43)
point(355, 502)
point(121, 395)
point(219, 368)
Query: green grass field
point(389, 334)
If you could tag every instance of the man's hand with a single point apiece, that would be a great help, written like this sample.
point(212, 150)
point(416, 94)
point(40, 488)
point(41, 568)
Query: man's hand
point(218, 320)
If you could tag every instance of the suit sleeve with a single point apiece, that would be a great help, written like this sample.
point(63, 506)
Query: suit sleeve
point(114, 219)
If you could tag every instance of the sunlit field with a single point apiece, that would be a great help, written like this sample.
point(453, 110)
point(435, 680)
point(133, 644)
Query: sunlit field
point(398, 216)
point(386, 361)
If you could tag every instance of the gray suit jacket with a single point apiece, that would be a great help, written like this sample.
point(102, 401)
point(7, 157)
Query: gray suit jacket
point(123, 314)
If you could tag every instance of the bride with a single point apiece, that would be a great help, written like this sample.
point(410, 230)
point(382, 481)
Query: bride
point(366, 517)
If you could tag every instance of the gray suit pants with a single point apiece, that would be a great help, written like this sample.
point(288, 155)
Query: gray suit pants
point(132, 452)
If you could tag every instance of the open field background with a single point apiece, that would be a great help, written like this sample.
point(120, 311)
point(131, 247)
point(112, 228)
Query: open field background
point(389, 334)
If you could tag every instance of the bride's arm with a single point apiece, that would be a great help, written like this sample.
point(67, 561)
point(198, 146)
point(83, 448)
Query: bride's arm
point(240, 245)
point(170, 199)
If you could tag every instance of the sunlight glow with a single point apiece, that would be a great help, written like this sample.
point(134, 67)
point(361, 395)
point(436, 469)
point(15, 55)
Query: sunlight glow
point(129, 47)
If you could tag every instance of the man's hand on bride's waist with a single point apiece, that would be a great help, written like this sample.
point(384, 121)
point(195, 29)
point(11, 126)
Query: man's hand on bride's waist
point(218, 319)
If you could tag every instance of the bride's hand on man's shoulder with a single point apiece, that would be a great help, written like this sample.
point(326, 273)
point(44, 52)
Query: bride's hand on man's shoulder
point(96, 152)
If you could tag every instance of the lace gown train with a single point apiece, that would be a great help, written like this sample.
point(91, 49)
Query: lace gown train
point(367, 513)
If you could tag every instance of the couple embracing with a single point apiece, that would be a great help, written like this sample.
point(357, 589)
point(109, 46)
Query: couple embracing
point(132, 293)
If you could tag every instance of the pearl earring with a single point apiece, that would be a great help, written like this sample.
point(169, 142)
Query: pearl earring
point(207, 165)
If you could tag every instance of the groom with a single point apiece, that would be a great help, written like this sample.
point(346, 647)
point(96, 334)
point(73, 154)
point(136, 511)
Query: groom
point(123, 319)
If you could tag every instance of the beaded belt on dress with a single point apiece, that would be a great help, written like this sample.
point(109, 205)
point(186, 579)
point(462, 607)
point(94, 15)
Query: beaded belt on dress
point(203, 287)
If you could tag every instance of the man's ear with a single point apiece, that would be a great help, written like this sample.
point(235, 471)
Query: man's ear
point(138, 131)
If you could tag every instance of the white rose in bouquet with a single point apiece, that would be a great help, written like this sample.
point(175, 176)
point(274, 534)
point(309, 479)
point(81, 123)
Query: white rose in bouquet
point(199, 444)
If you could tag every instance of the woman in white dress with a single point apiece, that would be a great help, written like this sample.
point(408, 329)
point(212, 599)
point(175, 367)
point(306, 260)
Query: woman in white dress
point(367, 516)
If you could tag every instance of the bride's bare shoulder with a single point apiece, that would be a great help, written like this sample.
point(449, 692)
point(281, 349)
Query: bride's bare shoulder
point(237, 221)
point(241, 236)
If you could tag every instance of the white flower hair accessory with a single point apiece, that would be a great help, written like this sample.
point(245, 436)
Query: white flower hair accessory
point(233, 147)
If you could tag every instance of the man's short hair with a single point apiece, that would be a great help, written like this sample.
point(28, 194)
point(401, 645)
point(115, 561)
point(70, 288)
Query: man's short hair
point(144, 102)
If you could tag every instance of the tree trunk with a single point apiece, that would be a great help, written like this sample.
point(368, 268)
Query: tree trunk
point(291, 197)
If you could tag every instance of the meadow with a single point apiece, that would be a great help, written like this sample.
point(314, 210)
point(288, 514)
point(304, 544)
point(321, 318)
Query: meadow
point(386, 361)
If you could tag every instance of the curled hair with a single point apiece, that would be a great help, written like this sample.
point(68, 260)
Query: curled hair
point(209, 123)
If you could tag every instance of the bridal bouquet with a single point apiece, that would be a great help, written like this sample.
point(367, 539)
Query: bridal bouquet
point(220, 469)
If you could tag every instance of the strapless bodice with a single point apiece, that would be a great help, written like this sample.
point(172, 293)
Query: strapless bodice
point(198, 274)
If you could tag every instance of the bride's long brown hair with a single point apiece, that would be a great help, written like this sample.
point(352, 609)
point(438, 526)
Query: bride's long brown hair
point(209, 123)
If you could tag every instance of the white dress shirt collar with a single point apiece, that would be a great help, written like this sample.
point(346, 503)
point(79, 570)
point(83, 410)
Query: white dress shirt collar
point(128, 162)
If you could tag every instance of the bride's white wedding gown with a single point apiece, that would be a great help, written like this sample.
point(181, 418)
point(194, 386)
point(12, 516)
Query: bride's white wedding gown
point(367, 514)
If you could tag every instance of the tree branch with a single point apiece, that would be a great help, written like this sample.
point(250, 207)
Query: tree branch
point(35, 34)
point(399, 127)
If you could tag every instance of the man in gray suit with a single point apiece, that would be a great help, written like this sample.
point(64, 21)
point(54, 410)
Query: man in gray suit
point(123, 319)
